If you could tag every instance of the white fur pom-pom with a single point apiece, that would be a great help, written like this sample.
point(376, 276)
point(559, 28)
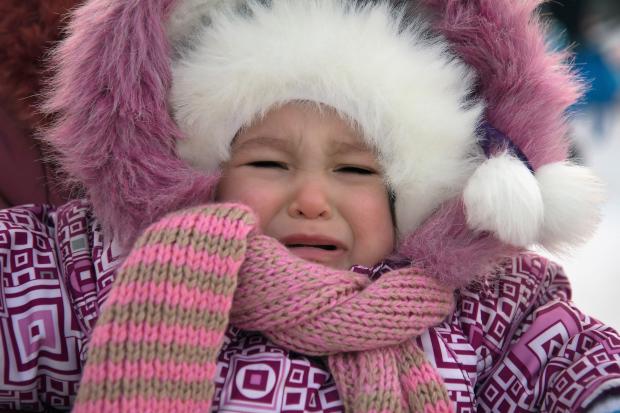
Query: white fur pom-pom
point(503, 197)
point(572, 196)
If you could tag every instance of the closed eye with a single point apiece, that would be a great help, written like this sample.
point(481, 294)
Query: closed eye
point(356, 170)
point(267, 164)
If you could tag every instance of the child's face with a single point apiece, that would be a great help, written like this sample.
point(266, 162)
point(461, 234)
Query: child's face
point(314, 186)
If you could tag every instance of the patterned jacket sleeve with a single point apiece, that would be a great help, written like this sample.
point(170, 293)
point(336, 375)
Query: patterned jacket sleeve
point(40, 338)
point(540, 353)
point(56, 271)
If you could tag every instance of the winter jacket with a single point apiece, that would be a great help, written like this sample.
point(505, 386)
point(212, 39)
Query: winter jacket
point(515, 341)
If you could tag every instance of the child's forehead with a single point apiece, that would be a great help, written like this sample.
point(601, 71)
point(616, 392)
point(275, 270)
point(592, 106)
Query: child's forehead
point(286, 127)
point(332, 147)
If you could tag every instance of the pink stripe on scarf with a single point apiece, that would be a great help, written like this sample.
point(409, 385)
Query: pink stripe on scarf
point(162, 371)
point(374, 411)
point(179, 256)
point(173, 295)
point(440, 407)
point(157, 333)
point(424, 375)
point(216, 227)
point(388, 378)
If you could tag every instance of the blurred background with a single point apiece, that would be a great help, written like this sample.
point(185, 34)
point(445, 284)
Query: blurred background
point(590, 28)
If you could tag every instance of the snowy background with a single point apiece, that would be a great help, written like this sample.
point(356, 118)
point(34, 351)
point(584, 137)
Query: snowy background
point(594, 271)
point(591, 28)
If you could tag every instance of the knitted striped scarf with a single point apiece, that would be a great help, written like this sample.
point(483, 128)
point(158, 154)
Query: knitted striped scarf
point(157, 340)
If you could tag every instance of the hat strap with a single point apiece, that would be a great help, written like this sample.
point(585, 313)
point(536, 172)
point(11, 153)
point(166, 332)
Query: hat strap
point(489, 135)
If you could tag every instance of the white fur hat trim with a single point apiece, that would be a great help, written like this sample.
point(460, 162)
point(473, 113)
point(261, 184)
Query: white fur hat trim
point(404, 90)
point(557, 208)
point(573, 196)
point(503, 197)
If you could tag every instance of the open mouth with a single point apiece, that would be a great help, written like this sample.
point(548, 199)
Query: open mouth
point(323, 247)
point(316, 248)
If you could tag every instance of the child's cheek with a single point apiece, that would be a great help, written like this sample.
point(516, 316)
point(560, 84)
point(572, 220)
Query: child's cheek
point(244, 187)
point(371, 221)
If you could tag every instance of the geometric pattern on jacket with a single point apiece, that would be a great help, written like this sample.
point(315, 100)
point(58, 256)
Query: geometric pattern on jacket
point(297, 382)
point(514, 343)
point(56, 270)
point(518, 344)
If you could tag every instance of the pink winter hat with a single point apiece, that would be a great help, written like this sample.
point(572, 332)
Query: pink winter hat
point(418, 89)
point(408, 94)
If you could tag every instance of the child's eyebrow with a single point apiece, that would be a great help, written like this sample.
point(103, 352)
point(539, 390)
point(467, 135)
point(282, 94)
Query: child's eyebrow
point(264, 141)
point(345, 148)
point(341, 148)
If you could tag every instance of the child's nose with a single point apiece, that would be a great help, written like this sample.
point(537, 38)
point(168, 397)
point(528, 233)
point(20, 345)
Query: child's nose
point(310, 201)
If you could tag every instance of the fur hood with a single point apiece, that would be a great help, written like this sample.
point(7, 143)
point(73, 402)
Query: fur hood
point(457, 211)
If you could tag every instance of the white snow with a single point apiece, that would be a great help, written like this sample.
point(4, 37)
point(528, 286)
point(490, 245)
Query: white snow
point(594, 271)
